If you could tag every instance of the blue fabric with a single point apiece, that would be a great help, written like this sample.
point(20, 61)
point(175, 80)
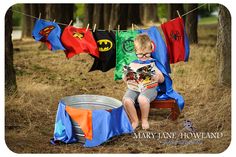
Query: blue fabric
point(53, 36)
point(63, 127)
point(160, 52)
point(165, 90)
point(144, 62)
point(108, 124)
point(186, 46)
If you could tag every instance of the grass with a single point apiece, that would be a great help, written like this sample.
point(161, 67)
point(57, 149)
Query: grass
point(208, 20)
point(43, 78)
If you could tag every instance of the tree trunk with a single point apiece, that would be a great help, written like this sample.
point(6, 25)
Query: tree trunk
point(113, 14)
point(10, 75)
point(35, 10)
point(107, 15)
point(27, 24)
point(98, 17)
point(60, 12)
point(224, 46)
point(192, 23)
point(148, 13)
point(88, 14)
point(68, 12)
point(172, 10)
point(133, 14)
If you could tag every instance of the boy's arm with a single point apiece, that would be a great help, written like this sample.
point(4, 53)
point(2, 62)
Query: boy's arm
point(124, 77)
point(158, 75)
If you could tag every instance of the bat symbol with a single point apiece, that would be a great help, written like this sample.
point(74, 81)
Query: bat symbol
point(104, 45)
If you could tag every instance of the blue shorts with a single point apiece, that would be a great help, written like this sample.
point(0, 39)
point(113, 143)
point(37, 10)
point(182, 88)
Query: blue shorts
point(150, 94)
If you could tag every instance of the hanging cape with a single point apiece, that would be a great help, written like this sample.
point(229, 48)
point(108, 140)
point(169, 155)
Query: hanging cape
point(165, 89)
point(176, 40)
point(160, 51)
point(49, 33)
point(107, 51)
point(78, 40)
point(125, 53)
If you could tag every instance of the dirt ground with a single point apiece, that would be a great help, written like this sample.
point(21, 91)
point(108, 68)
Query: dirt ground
point(44, 77)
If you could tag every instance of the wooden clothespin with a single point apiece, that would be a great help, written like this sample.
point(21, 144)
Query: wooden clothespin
point(162, 20)
point(178, 13)
point(54, 20)
point(109, 28)
point(94, 27)
point(132, 27)
point(70, 22)
point(87, 27)
point(118, 29)
point(39, 16)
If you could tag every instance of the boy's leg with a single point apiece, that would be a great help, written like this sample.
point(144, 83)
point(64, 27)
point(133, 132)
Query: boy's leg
point(129, 105)
point(144, 100)
point(131, 111)
point(144, 107)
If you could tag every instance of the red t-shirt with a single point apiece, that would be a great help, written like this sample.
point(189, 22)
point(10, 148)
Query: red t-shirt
point(77, 40)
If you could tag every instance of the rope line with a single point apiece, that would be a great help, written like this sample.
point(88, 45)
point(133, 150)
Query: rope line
point(193, 9)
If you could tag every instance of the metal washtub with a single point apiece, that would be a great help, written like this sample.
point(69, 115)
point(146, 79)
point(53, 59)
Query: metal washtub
point(92, 102)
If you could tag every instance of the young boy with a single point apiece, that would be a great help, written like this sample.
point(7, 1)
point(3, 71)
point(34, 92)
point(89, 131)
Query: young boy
point(144, 47)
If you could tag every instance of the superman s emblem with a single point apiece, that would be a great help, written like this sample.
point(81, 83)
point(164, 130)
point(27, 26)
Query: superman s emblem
point(104, 45)
point(78, 35)
point(46, 31)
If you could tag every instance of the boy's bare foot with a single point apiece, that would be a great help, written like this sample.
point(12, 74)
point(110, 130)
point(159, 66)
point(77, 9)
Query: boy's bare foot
point(145, 124)
point(134, 125)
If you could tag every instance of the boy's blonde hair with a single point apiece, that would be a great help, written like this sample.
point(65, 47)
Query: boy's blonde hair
point(143, 42)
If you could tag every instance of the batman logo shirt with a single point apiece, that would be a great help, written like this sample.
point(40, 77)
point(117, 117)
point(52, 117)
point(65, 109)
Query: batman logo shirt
point(107, 51)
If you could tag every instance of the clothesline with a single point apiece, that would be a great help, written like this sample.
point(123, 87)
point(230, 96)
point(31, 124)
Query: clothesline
point(64, 24)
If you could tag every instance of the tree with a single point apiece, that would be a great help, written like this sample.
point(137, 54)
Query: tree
point(88, 12)
point(104, 15)
point(148, 13)
point(133, 14)
point(28, 22)
point(36, 9)
point(60, 12)
point(10, 75)
point(98, 15)
point(172, 10)
point(192, 23)
point(224, 45)
point(26, 27)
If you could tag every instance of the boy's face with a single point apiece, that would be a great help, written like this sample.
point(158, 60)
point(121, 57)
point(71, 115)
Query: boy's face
point(143, 54)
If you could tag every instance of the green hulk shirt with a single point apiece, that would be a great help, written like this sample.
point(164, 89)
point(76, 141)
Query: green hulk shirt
point(125, 52)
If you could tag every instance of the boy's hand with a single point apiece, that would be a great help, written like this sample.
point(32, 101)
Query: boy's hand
point(131, 81)
point(125, 79)
point(155, 78)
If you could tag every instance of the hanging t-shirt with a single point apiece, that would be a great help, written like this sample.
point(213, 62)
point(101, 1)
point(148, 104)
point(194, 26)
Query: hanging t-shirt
point(125, 52)
point(49, 33)
point(107, 51)
point(176, 40)
point(78, 40)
